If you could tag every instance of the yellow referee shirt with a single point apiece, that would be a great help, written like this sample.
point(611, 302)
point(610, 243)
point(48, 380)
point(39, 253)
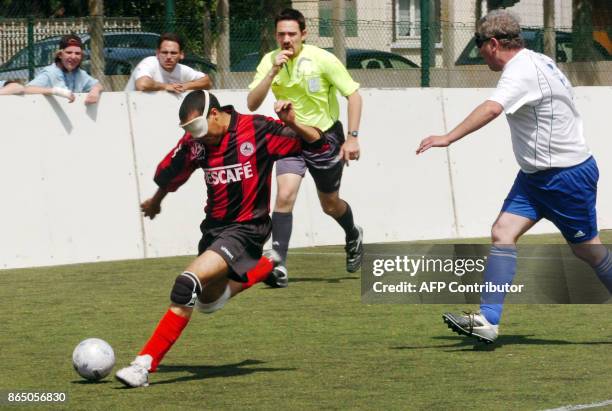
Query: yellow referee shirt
point(309, 81)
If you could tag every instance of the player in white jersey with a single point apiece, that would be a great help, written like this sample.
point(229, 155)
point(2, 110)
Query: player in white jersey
point(558, 176)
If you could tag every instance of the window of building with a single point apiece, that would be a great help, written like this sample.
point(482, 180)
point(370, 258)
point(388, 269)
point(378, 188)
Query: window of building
point(326, 21)
point(408, 19)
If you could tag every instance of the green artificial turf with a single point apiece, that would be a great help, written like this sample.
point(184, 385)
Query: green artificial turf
point(313, 345)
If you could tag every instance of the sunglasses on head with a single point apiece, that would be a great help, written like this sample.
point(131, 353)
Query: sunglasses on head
point(480, 39)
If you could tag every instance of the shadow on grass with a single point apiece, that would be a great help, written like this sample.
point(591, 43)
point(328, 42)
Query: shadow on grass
point(199, 372)
point(88, 382)
point(326, 280)
point(470, 344)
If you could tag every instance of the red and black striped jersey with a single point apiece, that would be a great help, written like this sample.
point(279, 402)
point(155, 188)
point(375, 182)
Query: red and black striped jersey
point(237, 171)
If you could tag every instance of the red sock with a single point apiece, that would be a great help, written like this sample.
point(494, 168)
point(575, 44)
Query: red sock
point(259, 273)
point(166, 333)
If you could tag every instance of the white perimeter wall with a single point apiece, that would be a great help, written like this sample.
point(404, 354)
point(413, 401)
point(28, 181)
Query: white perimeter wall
point(72, 176)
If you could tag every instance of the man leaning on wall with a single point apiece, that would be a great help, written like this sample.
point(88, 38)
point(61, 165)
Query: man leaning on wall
point(164, 72)
point(64, 76)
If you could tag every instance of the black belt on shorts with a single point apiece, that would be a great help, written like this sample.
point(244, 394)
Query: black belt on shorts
point(212, 223)
point(335, 128)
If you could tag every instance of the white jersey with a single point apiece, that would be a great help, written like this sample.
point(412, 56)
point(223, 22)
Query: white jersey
point(545, 125)
point(150, 67)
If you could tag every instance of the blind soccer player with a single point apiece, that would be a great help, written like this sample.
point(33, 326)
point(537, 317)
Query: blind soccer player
point(309, 77)
point(558, 176)
point(236, 152)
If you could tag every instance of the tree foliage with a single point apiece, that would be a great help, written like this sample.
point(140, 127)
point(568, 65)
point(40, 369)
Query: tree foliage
point(251, 21)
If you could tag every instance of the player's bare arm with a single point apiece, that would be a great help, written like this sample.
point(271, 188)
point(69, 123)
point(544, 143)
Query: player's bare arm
point(152, 206)
point(204, 83)
point(146, 83)
point(285, 112)
point(481, 116)
point(350, 149)
point(258, 94)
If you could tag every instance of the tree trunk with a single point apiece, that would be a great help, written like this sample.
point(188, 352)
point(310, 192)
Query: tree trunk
point(338, 24)
point(207, 42)
point(223, 43)
point(96, 31)
point(582, 30)
point(550, 48)
point(448, 34)
point(268, 31)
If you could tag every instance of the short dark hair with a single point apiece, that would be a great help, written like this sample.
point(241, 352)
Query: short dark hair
point(170, 37)
point(195, 101)
point(291, 14)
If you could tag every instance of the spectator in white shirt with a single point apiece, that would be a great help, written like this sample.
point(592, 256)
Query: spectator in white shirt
point(164, 72)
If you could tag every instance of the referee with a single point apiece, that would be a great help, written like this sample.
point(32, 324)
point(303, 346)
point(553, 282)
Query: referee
point(309, 77)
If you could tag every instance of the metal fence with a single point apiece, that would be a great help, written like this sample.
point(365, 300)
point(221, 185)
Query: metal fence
point(14, 32)
point(378, 53)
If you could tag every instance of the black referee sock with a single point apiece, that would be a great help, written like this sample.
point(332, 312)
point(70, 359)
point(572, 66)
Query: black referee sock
point(282, 224)
point(348, 224)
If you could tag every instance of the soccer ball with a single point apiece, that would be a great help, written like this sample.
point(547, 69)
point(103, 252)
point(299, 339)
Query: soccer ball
point(93, 359)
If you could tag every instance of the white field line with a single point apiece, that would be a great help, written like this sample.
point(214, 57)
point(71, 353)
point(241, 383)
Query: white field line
point(407, 255)
point(582, 406)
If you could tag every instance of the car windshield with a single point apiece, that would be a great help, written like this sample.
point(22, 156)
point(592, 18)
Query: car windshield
point(397, 63)
point(199, 65)
point(534, 40)
point(44, 54)
point(131, 41)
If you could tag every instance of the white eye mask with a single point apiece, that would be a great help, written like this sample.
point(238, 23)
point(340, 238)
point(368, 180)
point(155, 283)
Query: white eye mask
point(198, 127)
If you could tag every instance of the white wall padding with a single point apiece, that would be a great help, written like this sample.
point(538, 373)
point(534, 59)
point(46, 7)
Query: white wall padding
point(594, 105)
point(73, 176)
point(68, 188)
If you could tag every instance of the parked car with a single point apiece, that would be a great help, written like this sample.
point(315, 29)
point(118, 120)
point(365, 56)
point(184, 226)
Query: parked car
point(534, 40)
point(122, 52)
point(355, 59)
point(376, 59)
point(125, 66)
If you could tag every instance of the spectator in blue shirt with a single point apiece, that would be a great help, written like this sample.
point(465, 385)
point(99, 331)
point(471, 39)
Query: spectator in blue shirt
point(65, 77)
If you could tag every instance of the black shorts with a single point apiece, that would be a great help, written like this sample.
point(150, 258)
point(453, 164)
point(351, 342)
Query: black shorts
point(325, 168)
point(239, 244)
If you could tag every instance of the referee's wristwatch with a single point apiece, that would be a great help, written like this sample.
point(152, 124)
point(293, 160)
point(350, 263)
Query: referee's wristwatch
point(354, 133)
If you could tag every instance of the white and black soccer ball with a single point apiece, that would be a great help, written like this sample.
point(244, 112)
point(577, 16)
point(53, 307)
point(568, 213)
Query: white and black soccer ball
point(93, 359)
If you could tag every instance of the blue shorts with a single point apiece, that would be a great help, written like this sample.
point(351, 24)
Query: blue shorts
point(565, 196)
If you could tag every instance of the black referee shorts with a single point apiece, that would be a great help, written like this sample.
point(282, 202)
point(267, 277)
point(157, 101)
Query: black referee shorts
point(239, 244)
point(325, 168)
